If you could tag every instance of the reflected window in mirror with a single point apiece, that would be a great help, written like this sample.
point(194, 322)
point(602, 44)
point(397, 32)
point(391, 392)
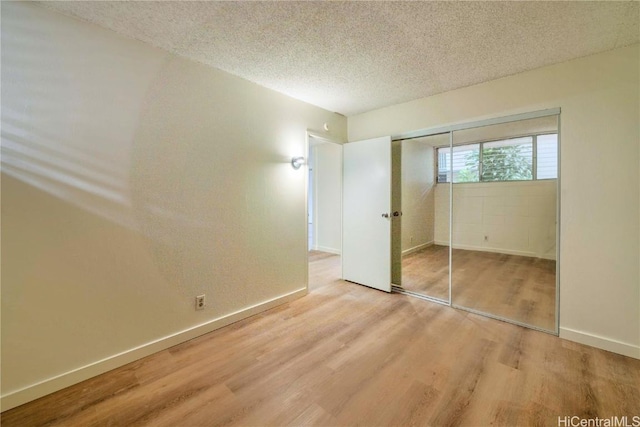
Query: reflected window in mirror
point(526, 158)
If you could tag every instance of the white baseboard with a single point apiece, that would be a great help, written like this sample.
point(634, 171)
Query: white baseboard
point(328, 250)
point(604, 343)
point(495, 250)
point(417, 248)
point(35, 391)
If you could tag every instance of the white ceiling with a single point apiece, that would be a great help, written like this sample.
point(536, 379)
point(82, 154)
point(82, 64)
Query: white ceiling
point(352, 57)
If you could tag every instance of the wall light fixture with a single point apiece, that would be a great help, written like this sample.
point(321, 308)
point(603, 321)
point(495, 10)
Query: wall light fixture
point(296, 162)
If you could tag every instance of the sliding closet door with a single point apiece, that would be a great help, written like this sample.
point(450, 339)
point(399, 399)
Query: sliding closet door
point(425, 219)
point(504, 223)
point(366, 253)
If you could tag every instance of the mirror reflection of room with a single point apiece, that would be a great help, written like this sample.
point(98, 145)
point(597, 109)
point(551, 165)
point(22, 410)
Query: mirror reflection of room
point(425, 220)
point(504, 208)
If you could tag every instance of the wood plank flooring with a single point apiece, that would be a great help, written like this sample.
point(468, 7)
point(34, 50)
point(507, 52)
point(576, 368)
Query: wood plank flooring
point(347, 355)
point(427, 271)
point(510, 286)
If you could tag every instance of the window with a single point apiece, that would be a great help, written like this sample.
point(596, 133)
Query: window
point(503, 160)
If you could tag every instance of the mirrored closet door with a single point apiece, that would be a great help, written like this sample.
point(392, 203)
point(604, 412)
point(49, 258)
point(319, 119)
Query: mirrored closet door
point(425, 219)
point(504, 205)
point(491, 189)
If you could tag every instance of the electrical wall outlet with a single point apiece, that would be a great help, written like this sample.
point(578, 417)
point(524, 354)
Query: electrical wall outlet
point(200, 302)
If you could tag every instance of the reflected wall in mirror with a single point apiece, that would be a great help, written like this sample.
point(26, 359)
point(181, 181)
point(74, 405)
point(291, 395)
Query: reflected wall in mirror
point(425, 220)
point(504, 209)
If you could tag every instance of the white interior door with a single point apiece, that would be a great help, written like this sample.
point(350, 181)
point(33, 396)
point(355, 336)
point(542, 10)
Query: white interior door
point(366, 241)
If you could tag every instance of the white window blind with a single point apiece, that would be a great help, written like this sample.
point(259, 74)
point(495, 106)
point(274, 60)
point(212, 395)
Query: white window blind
point(547, 157)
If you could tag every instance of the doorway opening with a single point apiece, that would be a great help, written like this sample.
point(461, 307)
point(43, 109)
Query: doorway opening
point(324, 211)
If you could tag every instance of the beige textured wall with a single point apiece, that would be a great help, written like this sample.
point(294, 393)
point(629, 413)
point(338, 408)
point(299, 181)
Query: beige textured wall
point(132, 181)
point(600, 217)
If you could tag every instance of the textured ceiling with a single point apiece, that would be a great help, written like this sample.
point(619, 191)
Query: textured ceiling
point(352, 57)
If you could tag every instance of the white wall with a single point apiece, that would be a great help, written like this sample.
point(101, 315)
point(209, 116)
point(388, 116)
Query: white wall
point(132, 181)
point(600, 183)
point(328, 197)
point(418, 194)
point(517, 218)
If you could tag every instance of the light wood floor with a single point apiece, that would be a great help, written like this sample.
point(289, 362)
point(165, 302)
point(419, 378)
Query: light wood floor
point(427, 271)
point(350, 355)
point(324, 268)
point(510, 286)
